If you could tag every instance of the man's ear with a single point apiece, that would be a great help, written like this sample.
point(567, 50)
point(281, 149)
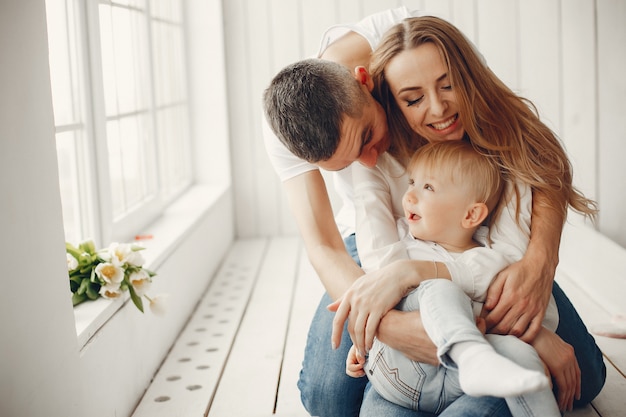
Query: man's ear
point(475, 215)
point(363, 77)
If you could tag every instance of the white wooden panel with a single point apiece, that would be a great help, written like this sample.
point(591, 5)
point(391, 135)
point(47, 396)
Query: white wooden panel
point(612, 130)
point(238, 62)
point(264, 203)
point(497, 38)
point(607, 287)
point(579, 128)
point(317, 16)
point(463, 15)
point(250, 380)
point(284, 32)
point(438, 8)
point(540, 64)
point(348, 10)
point(374, 6)
point(414, 4)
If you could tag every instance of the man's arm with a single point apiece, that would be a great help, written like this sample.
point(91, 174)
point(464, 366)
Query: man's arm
point(518, 298)
point(351, 51)
point(310, 205)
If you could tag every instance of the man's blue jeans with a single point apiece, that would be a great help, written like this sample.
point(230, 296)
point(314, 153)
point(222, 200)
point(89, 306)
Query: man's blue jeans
point(327, 391)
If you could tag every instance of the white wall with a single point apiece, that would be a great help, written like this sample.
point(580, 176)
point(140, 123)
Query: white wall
point(38, 350)
point(567, 56)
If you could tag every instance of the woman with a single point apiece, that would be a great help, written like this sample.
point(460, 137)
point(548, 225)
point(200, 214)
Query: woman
point(448, 95)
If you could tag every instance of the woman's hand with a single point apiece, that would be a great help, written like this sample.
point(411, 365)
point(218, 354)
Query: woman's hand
point(517, 299)
point(365, 303)
point(561, 361)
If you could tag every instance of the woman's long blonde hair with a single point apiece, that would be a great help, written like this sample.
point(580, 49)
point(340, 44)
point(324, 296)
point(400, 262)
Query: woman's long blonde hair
point(497, 122)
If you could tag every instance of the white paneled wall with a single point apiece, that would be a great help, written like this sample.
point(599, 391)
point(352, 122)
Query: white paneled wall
point(567, 56)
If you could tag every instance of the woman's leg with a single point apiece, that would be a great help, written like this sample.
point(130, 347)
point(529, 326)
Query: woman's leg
point(325, 389)
point(573, 331)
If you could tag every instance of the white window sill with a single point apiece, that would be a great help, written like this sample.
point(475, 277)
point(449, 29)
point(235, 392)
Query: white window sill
point(165, 234)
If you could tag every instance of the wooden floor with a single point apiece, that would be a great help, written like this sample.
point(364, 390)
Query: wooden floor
point(241, 352)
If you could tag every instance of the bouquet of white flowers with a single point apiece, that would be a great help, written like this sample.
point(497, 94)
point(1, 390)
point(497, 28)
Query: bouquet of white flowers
point(108, 272)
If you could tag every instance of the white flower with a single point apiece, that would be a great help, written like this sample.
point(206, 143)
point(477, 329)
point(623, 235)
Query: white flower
point(140, 281)
point(110, 273)
point(158, 304)
point(110, 291)
point(72, 263)
point(135, 257)
point(124, 253)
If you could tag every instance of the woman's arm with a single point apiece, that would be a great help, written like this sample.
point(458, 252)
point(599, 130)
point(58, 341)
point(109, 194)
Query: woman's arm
point(518, 298)
point(561, 361)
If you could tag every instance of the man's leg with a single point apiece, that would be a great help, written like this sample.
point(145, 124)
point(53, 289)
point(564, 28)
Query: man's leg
point(573, 331)
point(325, 389)
point(465, 406)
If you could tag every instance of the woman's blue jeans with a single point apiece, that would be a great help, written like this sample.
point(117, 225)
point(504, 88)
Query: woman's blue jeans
point(326, 390)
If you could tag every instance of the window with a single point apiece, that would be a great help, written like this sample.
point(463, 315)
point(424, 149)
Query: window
point(121, 109)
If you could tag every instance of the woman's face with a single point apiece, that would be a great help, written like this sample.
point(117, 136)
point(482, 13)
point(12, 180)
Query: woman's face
point(420, 83)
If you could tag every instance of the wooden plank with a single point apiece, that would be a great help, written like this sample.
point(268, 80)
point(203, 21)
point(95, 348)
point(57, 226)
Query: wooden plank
point(611, 401)
point(577, 279)
point(189, 375)
point(250, 379)
point(307, 294)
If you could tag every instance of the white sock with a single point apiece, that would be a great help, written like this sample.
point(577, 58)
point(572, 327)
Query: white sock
point(483, 371)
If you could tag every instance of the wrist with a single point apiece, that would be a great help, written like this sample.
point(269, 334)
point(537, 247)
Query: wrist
point(544, 258)
point(410, 274)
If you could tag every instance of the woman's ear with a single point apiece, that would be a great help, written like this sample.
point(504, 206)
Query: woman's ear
point(475, 215)
point(363, 77)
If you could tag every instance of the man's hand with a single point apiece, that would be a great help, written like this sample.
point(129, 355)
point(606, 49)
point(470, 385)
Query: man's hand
point(403, 331)
point(517, 299)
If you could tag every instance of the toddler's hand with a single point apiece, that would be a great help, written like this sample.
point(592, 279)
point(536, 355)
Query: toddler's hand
point(354, 367)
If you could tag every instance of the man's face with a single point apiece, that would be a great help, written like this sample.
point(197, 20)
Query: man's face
point(362, 139)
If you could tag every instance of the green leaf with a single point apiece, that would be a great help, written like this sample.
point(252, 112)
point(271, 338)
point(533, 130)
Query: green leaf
point(78, 298)
point(83, 287)
point(72, 250)
point(136, 299)
point(88, 246)
point(93, 290)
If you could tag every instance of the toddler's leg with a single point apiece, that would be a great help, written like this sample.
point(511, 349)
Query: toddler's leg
point(449, 321)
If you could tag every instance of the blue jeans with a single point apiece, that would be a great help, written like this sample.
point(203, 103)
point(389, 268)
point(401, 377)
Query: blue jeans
point(326, 390)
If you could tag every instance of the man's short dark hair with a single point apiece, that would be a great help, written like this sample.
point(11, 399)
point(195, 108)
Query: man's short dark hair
point(305, 104)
